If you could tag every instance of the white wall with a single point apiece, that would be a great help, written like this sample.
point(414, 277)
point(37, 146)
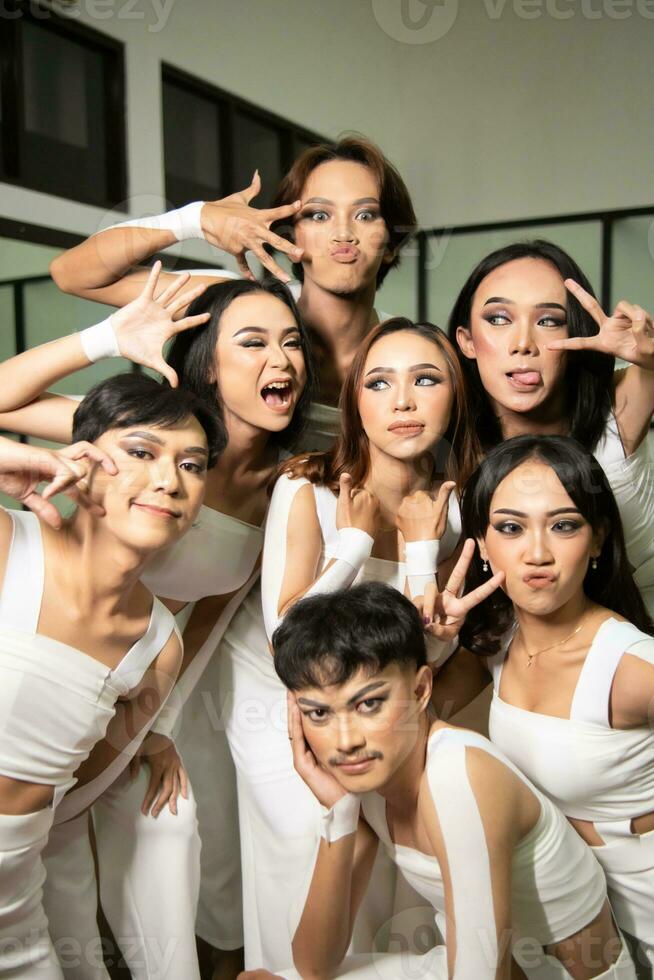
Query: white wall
point(503, 117)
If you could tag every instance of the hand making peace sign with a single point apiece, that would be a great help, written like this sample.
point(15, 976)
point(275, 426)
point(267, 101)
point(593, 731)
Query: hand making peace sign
point(628, 333)
point(444, 612)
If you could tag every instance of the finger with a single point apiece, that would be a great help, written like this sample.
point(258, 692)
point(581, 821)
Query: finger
point(588, 302)
point(575, 343)
point(429, 602)
point(626, 309)
point(183, 781)
point(172, 802)
point(179, 280)
point(134, 766)
point(244, 267)
point(191, 321)
point(44, 509)
point(268, 262)
point(295, 731)
point(60, 484)
point(168, 373)
point(79, 450)
point(255, 187)
point(482, 592)
point(165, 793)
point(345, 482)
point(283, 211)
point(177, 305)
point(442, 502)
point(151, 791)
point(82, 499)
point(151, 283)
point(283, 245)
point(460, 570)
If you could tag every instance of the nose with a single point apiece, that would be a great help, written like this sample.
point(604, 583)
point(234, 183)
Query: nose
point(405, 395)
point(165, 477)
point(523, 339)
point(343, 229)
point(537, 550)
point(279, 357)
point(350, 738)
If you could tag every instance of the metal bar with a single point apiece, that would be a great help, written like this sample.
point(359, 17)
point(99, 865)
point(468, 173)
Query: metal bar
point(607, 263)
point(561, 219)
point(423, 284)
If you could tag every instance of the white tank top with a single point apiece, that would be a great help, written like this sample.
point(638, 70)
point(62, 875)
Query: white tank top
point(557, 886)
point(590, 770)
point(55, 700)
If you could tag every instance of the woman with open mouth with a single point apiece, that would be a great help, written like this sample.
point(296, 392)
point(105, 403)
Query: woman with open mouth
point(247, 353)
point(538, 355)
point(569, 647)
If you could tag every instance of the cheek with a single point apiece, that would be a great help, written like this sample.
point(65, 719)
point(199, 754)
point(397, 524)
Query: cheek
point(370, 407)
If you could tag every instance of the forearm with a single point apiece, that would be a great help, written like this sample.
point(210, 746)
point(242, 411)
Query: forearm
point(24, 377)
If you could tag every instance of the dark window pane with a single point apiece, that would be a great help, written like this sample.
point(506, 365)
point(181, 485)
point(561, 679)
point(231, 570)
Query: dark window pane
point(192, 140)
point(256, 145)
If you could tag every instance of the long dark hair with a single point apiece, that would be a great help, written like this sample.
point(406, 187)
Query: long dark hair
point(610, 585)
point(193, 352)
point(589, 374)
point(351, 453)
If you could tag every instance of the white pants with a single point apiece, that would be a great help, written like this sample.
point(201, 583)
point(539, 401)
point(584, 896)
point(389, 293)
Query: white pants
point(629, 868)
point(26, 951)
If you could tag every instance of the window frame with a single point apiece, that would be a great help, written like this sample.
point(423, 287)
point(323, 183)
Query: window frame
point(18, 12)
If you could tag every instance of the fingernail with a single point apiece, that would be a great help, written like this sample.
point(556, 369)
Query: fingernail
point(426, 620)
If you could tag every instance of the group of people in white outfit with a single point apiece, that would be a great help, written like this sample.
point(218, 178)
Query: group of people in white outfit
point(229, 676)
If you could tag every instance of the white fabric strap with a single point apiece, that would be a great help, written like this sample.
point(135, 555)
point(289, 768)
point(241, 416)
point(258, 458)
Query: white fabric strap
point(353, 548)
point(421, 558)
point(184, 222)
point(99, 341)
point(341, 819)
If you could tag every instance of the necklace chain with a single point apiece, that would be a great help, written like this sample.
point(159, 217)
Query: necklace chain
point(530, 656)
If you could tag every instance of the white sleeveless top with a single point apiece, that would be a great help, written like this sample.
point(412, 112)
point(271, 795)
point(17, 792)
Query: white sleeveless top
point(631, 479)
point(590, 770)
point(557, 887)
point(55, 700)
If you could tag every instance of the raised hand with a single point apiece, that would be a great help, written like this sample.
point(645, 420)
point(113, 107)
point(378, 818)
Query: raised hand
point(356, 508)
point(628, 333)
point(23, 467)
point(444, 612)
point(322, 784)
point(423, 517)
point(145, 325)
point(233, 226)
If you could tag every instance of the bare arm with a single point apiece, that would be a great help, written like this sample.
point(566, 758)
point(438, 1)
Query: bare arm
point(102, 268)
point(458, 682)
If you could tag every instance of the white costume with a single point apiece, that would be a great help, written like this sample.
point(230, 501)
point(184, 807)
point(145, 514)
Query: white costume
point(277, 812)
point(55, 704)
point(631, 479)
point(139, 857)
point(593, 771)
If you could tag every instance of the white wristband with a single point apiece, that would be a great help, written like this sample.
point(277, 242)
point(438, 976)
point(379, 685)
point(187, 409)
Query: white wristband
point(184, 222)
point(342, 819)
point(100, 341)
point(421, 559)
point(354, 546)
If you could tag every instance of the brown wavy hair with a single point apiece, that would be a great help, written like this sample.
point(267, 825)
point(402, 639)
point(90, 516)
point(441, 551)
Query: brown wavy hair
point(457, 453)
point(395, 201)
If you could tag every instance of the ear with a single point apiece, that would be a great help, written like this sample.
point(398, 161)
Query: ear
point(465, 342)
point(599, 537)
point(482, 549)
point(423, 684)
point(389, 255)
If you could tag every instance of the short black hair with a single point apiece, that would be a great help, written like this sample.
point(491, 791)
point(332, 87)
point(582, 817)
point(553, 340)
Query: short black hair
point(326, 639)
point(137, 399)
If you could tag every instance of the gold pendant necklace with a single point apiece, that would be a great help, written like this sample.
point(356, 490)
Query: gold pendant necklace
point(530, 656)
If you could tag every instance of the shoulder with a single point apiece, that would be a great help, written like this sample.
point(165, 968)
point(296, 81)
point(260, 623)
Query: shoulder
point(169, 658)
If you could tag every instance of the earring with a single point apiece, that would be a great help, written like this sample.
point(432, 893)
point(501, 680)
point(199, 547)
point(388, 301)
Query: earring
point(485, 566)
point(593, 564)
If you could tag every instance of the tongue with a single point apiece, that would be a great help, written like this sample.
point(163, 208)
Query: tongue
point(273, 397)
point(527, 377)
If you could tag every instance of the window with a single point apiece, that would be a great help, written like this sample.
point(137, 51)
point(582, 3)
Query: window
point(62, 125)
point(214, 141)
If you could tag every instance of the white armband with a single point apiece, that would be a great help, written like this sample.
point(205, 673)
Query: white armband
point(421, 559)
point(184, 222)
point(100, 341)
point(341, 819)
point(353, 548)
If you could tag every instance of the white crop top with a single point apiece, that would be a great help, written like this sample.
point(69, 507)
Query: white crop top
point(55, 700)
point(557, 887)
point(590, 770)
point(217, 555)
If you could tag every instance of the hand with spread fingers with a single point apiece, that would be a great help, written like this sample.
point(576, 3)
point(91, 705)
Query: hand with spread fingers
point(23, 468)
point(144, 326)
point(627, 333)
point(168, 777)
point(233, 226)
point(444, 612)
point(322, 784)
point(356, 507)
point(422, 516)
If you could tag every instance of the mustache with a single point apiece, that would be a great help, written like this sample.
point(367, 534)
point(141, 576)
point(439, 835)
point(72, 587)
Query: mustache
point(352, 760)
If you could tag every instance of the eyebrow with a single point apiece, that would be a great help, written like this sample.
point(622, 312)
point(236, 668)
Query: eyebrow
point(415, 367)
point(150, 437)
point(325, 200)
point(355, 697)
point(550, 513)
point(265, 330)
point(537, 306)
